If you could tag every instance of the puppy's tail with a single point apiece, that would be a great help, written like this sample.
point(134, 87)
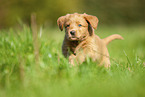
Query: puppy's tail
point(108, 39)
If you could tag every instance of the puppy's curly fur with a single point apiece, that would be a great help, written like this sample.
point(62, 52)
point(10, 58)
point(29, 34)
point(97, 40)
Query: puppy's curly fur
point(80, 40)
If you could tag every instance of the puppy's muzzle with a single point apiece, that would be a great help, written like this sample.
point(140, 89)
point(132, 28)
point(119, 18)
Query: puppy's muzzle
point(72, 35)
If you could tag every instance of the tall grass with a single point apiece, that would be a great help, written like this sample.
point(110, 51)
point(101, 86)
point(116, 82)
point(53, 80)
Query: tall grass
point(55, 78)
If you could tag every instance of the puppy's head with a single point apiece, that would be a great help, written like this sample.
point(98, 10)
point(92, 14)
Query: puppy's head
point(77, 26)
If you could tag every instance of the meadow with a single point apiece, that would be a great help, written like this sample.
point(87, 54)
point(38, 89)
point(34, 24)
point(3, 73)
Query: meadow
point(21, 75)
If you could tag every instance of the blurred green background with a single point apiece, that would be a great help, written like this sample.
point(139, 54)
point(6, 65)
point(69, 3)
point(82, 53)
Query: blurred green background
point(21, 76)
point(124, 12)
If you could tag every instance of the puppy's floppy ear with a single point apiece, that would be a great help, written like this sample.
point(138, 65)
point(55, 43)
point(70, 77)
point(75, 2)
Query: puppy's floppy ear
point(60, 22)
point(93, 20)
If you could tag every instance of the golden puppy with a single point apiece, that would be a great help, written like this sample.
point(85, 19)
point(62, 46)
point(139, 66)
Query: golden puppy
point(80, 41)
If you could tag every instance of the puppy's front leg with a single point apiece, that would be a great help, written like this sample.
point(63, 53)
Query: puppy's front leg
point(76, 59)
point(72, 58)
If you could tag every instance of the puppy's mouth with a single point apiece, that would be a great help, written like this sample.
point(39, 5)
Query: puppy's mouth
point(73, 38)
point(77, 38)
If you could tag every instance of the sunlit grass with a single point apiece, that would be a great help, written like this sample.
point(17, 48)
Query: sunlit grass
point(19, 76)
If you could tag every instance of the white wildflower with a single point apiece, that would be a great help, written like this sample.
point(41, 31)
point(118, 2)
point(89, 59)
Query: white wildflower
point(49, 55)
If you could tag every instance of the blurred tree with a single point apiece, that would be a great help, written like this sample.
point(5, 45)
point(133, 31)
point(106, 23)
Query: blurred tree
point(117, 11)
point(47, 11)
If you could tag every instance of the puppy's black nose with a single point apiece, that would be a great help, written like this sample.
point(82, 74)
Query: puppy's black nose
point(72, 32)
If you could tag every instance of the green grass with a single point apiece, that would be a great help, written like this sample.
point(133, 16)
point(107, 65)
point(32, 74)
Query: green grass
point(52, 77)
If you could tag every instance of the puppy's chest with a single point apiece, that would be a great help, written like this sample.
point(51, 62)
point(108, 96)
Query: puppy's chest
point(73, 45)
point(87, 48)
point(90, 50)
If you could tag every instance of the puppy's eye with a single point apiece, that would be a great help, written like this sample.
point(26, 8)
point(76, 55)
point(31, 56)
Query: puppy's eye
point(67, 26)
point(79, 25)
